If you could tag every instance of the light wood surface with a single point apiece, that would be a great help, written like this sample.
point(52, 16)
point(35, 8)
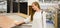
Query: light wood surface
point(56, 20)
point(7, 22)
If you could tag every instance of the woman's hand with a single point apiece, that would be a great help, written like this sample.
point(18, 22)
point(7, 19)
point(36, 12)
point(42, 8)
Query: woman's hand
point(20, 22)
point(23, 21)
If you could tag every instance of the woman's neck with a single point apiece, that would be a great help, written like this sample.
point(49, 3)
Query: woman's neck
point(38, 10)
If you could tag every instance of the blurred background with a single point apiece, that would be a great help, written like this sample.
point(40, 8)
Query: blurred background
point(51, 7)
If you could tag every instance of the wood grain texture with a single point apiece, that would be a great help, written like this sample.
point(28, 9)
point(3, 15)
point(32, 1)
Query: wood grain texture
point(6, 22)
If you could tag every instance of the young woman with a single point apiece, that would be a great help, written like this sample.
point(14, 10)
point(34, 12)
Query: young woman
point(39, 17)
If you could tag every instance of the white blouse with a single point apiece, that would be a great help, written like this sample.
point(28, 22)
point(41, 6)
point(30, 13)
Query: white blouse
point(37, 20)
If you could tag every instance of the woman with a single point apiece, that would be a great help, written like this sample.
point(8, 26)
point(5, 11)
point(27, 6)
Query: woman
point(38, 19)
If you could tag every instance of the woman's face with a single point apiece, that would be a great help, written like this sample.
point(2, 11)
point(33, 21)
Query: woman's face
point(34, 7)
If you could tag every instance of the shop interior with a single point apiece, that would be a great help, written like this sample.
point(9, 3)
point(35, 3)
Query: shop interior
point(15, 10)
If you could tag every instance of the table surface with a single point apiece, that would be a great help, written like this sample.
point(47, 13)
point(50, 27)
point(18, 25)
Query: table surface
point(7, 21)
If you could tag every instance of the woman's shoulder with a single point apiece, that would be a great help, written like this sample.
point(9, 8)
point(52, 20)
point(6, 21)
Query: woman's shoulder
point(42, 11)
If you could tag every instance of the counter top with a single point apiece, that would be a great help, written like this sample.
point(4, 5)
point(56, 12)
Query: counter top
point(8, 19)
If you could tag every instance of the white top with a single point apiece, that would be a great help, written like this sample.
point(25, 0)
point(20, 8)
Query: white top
point(37, 20)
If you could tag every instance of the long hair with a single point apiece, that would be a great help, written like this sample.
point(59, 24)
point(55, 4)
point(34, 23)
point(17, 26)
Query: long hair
point(37, 5)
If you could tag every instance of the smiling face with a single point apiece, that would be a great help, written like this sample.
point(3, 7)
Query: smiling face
point(35, 6)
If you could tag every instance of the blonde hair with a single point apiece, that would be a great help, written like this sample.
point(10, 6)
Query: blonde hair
point(36, 4)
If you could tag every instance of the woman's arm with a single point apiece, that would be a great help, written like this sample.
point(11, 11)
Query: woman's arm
point(27, 20)
point(20, 22)
point(23, 21)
